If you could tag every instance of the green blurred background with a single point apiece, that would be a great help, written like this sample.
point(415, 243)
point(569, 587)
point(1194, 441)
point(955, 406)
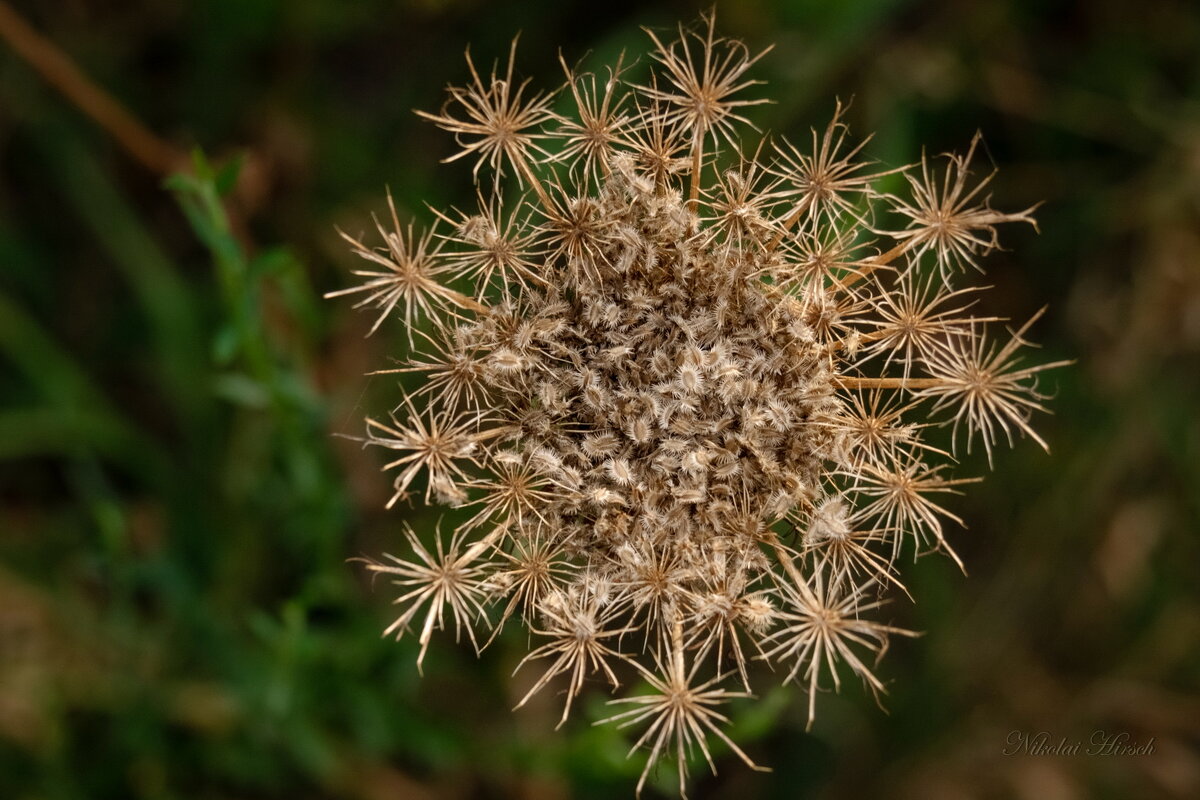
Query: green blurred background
point(177, 617)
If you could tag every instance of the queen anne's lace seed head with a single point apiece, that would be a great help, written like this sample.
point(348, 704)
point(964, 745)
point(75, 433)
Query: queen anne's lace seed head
point(682, 394)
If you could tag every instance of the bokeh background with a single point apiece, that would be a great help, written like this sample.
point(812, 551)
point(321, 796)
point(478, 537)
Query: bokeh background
point(177, 615)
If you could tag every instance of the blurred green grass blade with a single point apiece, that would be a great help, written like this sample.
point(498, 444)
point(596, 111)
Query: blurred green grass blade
point(836, 36)
point(242, 390)
point(269, 366)
point(47, 367)
point(281, 266)
point(27, 433)
point(70, 392)
point(199, 197)
point(169, 305)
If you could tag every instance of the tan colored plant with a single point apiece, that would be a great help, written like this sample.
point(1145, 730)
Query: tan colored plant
point(681, 386)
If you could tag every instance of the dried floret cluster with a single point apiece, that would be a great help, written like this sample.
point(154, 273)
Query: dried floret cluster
point(682, 386)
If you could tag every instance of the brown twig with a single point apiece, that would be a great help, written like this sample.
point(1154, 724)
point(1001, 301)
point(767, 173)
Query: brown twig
point(147, 148)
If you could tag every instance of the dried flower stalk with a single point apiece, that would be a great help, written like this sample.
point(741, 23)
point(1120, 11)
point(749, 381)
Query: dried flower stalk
point(682, 387)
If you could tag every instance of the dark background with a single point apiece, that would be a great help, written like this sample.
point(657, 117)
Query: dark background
point(177, 617)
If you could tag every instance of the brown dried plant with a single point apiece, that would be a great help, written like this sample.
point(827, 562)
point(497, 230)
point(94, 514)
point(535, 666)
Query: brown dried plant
point(683, 387)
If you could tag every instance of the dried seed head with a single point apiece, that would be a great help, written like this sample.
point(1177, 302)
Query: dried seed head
point(666, 365)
